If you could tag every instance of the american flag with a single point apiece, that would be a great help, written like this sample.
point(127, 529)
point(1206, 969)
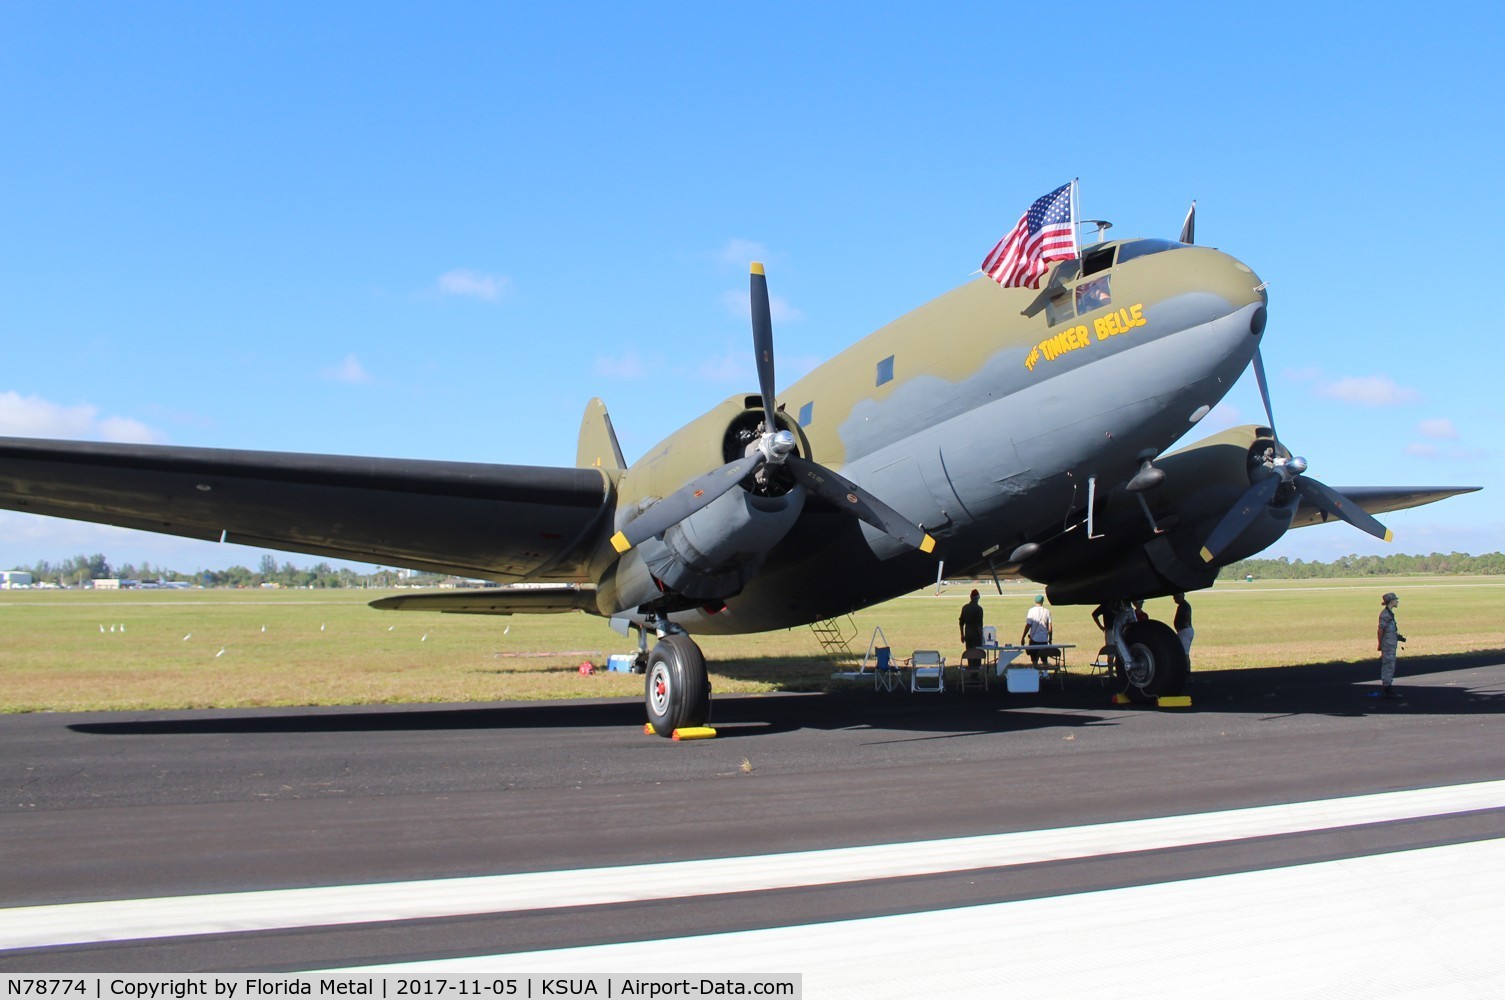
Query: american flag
point(1043, 234)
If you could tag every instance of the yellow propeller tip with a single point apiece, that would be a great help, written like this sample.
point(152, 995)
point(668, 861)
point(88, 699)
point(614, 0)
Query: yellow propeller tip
point(927, 545)
point(1389, 535)
point(757, 268)
point(620, 543)
point(1206, 556)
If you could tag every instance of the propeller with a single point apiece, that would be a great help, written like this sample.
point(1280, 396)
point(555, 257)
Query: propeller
point(774, 447)
point(1264, 391)
point(847, 495)
point(1283, 468)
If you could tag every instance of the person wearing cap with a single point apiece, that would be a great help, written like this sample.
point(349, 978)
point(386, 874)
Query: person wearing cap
point(1388, 637)
point(970, 623)
point(1038, 628)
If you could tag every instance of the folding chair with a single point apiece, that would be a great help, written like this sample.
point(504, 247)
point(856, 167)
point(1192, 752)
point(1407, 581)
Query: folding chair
point(887, 675)
point(1106, 665)
point(1053, 663)
point(927, 670)
point(974, 669)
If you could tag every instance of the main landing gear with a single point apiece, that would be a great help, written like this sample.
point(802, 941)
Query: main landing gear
point(677, 688)
point(1150, 661)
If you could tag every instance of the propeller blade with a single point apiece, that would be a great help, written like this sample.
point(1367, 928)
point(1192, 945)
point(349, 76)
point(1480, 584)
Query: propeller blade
point(1189, 227)
point(762, 326)
point(1236, 520)
point(683, 502)
point(1328, 499)
point(850, 497)
point(1264, 391)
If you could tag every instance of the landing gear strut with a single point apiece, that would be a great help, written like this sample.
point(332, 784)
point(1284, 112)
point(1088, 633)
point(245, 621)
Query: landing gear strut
point(677, 691)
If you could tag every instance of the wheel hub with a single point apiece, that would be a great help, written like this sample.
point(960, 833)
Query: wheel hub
point(1141, 666)
point(659, 685)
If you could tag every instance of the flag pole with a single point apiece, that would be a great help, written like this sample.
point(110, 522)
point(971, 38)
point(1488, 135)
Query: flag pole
point(1076, 247)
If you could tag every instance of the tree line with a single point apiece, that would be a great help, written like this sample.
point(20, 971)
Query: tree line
point(81, 569)
point(1438, 563)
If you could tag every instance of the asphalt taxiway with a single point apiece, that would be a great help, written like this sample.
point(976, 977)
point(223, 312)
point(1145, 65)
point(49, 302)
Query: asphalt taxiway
point(205, 813)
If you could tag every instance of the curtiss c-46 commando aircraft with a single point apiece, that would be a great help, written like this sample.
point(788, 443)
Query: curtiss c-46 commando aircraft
point(1009, 430)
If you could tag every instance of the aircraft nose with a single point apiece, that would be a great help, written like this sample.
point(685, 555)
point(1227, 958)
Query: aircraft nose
point(1258, 319)
point(1248, 289)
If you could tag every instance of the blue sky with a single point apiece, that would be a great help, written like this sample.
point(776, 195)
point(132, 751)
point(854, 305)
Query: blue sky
point(437, 230)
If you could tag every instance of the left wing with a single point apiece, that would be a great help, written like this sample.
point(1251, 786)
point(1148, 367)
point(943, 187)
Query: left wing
point(1379, 499)
point(521, 599)
point(499, 522)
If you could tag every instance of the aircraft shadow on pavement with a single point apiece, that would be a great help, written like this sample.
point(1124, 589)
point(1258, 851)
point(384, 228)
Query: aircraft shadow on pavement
point(1345, 687)
point(737, 715)
point(1335, 688)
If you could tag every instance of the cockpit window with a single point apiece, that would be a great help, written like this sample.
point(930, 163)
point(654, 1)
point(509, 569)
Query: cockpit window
point(1065, 271)
point(1096, 260)
point(1092, 295)
point(1143, 248)
point(1058, 308)
point(1057, 296)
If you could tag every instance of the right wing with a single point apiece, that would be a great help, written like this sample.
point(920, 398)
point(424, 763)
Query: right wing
point(1380, 499)
point(498, 522)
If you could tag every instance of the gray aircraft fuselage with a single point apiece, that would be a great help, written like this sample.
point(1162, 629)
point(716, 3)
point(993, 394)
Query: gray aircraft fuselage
point(986, 426)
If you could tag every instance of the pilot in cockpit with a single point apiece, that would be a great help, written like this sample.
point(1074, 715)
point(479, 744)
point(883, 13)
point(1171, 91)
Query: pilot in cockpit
point(1092, 295)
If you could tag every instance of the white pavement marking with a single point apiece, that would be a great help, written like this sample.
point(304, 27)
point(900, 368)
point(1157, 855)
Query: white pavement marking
point(133, 919)
point(1412, 923)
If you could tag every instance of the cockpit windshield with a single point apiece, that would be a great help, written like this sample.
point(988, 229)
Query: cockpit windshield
point(1130, 249)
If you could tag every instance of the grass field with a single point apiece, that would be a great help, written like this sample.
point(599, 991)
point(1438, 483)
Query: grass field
point(78, 650)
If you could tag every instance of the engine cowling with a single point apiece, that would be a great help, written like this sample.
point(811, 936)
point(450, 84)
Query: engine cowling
point(1132, 559)
point(712, 553)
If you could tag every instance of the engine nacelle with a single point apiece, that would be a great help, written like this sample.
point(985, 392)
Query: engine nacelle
point(1202, 483)
point(711, 554)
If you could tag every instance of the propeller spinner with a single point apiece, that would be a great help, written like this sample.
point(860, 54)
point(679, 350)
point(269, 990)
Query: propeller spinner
point(774, 447)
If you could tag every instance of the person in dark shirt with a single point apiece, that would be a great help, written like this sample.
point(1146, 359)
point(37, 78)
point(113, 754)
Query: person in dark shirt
point(970, 623)
point(1182, 625)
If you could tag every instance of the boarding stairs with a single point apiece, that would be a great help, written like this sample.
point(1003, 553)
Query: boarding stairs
point(835, 636)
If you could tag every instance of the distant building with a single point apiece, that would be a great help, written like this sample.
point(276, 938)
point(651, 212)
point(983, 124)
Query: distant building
point(14, 578)
point(106, 584)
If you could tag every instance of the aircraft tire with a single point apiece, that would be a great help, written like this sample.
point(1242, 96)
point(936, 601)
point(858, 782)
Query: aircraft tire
point(1161, 660)
point(677, 689)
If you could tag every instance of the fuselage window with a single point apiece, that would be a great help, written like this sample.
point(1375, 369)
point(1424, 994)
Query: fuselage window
point(806, 412)
point(1092, 295)
point(886, 370)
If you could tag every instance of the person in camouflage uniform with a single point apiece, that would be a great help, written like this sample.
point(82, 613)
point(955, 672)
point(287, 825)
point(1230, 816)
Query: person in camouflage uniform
point(1387, 638)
